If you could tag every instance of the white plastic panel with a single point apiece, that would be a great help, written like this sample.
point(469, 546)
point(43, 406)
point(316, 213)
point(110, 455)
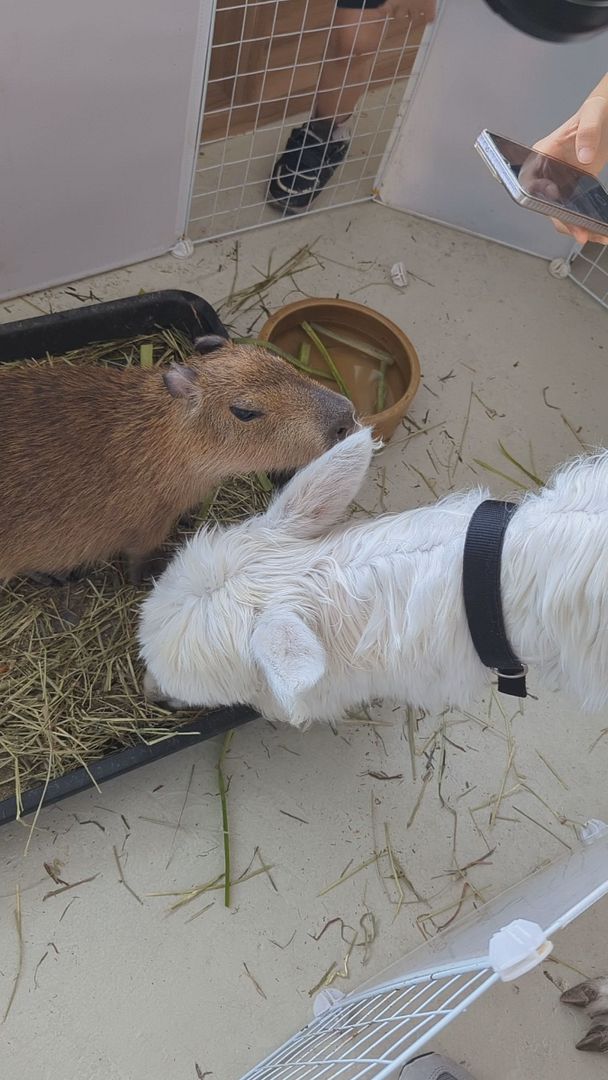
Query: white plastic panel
point(99, 109)
point(480, 72)
point(551, 898)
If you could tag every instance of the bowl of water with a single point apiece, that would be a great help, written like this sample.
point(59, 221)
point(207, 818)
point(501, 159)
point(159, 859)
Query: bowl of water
point(353, 349)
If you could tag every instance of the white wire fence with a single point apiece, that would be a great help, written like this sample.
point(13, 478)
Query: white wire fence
point(272, 62)
point(368, 1037)
point(589, 269)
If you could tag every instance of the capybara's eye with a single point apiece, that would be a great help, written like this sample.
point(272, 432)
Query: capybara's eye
point(245, 414)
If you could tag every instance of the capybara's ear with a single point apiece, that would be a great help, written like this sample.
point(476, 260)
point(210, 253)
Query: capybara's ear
point(209, 343)
point(181, 381)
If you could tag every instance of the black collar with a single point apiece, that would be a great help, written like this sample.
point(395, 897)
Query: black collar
point(482, 596)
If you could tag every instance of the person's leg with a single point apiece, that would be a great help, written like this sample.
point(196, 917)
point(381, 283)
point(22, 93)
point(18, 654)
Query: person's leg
point(357, 30)
point(315, 150)
point(354, 40)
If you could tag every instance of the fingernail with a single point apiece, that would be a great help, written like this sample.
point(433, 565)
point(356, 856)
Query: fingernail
point(585, 155)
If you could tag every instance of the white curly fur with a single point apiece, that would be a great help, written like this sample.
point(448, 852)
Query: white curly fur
point(304, 618)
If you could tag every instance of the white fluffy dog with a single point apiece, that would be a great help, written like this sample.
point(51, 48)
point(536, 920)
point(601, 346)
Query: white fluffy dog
point(304, 617)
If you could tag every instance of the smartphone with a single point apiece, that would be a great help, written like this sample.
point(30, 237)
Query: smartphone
point(546, 184)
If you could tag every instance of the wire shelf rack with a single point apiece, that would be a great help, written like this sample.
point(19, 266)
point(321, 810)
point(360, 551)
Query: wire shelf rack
point(371, 1035)
point(270, 62)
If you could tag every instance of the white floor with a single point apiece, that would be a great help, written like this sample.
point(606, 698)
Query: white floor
point(115, 989)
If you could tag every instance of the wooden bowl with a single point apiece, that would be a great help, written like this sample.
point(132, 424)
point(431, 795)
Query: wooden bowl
point(359, 372)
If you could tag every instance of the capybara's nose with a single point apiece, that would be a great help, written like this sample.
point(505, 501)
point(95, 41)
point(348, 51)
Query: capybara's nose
point(344, 424)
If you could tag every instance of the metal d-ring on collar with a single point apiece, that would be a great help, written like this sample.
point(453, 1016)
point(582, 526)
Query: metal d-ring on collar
point(482, 596)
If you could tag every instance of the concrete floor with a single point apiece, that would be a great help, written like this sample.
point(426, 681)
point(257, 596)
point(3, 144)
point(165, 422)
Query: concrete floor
point(116, 989)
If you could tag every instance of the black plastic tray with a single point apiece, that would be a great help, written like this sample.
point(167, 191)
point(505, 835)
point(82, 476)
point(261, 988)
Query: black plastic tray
point(116, 319)
point(58, 334)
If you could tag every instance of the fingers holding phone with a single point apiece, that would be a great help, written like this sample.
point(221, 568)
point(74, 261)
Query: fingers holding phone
point(582, 141)
point(582, 236)
point(556, 186)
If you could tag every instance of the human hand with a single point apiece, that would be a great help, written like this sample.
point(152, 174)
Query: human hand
point(419, 12)
point(581, 141)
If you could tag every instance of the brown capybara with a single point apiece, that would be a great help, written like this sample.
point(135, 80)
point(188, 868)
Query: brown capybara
point(97, 462)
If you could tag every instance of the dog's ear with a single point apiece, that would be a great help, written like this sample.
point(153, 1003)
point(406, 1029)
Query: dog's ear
point(319, 495)
point(290, 656)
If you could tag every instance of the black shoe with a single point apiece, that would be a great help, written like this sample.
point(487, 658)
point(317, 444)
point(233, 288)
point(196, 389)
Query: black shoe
point(306, 165)
point(433, 1067)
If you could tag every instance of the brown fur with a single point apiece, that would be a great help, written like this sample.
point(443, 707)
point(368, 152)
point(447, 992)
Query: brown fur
point(95, 462)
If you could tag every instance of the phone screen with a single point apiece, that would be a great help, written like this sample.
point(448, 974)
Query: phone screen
point(554, 181)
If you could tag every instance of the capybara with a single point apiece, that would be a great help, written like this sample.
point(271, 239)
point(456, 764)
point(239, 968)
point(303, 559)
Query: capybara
point(97, 462)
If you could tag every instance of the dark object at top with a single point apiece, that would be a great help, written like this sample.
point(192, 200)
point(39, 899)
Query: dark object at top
point(482, 596)
point(554, 20)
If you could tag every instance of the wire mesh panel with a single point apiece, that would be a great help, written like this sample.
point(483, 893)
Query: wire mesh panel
point(274, 66)
point(370, 1035)
point(589, 269)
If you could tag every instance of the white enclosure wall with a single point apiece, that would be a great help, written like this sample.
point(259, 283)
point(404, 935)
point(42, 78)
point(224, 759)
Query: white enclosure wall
point(99, 115)
point(480, 72)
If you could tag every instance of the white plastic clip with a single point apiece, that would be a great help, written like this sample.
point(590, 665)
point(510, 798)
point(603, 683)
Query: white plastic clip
point(399, 275)
point(518, 948)
point(326, 999)
point(183, 248)
point(559, 268)
point(592, 830)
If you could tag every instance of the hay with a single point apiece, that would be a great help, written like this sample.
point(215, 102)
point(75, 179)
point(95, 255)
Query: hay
point(224, 805)
point(20, 952)
point(70, 676)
